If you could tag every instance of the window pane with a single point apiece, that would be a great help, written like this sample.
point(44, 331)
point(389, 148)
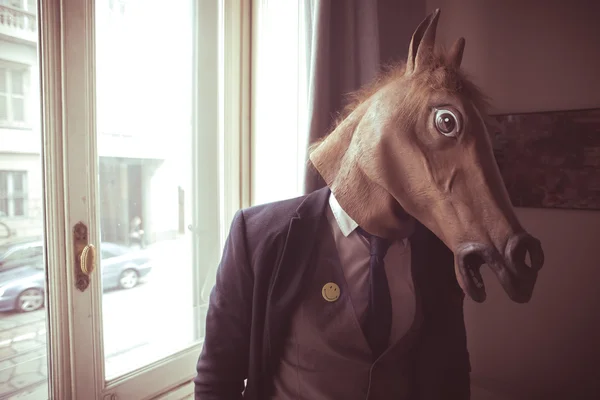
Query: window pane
point(281, 87)
point(17, 78)
point(23, 252)
point(23, 366)
point(3, 183)
point(3, 108)
point(2, 79)
point(18, 181)
point(18, 109)
point(19, 207)
point(144, 143)
point(3, 213)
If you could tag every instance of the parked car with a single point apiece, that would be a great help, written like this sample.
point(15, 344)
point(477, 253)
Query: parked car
point(22, 272)
point(19, 252)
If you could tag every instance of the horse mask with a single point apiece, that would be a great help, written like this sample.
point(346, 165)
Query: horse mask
point(415, 146)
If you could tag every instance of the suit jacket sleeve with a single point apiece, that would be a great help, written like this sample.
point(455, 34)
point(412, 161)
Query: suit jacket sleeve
point(223, 362)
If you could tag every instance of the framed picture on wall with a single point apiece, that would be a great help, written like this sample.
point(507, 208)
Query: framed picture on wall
point(550, 159)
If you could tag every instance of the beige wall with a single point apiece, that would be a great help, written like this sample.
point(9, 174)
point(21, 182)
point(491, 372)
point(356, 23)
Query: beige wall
point(537, 56)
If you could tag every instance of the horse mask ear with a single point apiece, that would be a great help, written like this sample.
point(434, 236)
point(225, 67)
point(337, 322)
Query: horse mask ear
point(422, 43)
point(456, 53)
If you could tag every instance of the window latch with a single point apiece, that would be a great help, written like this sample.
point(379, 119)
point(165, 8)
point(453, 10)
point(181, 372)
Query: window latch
point(85, 256)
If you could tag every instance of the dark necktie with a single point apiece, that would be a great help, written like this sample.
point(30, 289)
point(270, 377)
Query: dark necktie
point(378, 322)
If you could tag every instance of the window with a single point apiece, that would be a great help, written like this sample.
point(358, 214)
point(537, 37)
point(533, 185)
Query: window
point(280, 97)
point(117, 144)
point(13, 193)
point(13, 90)
point(133, 147)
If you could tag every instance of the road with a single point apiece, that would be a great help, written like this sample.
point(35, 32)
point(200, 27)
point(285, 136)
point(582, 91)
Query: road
point(140, 326)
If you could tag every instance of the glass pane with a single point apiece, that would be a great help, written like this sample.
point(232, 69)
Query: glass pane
point(19, 207)
point(281, 87)
point(4, 182)
point(18, 181)
point(4, 229)
point(2, 79)
point(18, 109)
point(17, 77)
point(23, 363)
point(144, 115)
point(3, 108)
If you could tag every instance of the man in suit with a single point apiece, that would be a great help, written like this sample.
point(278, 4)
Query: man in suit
point(269, 273)
point(346, 292)
point(308, 305)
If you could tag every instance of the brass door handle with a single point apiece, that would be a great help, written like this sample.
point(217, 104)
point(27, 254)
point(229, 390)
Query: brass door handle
point(87, 259)
point(85, 256)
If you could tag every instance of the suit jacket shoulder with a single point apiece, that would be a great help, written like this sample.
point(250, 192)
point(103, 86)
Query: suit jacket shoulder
point(267, 226)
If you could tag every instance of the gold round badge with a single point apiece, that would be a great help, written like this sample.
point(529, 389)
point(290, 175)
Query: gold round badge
point(331, 292)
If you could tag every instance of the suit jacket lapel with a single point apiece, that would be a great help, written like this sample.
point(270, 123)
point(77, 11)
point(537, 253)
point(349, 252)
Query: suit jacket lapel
point(294, 269)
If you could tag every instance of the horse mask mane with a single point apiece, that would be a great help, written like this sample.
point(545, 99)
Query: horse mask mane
point(415, 146)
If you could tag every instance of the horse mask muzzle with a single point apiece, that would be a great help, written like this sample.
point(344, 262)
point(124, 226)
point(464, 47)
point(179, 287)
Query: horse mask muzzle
point(515, 274)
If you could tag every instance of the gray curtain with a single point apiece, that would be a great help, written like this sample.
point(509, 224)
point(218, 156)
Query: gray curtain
point(349, 41)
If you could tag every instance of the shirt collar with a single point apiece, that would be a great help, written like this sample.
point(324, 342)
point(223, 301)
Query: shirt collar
point(345, 222)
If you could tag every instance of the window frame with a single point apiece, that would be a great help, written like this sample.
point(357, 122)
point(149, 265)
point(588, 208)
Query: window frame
point(66, 43)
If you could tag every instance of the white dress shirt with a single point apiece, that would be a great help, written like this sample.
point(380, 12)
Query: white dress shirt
point(354, 254)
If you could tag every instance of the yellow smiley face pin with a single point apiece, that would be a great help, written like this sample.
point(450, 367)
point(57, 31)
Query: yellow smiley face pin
point(331, 292)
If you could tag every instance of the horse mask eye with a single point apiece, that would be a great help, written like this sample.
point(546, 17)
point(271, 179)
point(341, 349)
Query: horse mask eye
point(447, 122)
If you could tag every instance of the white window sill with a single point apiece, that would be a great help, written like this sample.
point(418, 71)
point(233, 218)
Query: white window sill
point(181, 392)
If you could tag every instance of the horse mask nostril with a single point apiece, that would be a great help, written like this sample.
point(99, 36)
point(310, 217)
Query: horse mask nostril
point(519, 255)
point(524, 252)
point(469, 259)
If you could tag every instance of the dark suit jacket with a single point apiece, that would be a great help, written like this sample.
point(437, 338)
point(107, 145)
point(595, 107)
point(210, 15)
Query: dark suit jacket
point(267, 262)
